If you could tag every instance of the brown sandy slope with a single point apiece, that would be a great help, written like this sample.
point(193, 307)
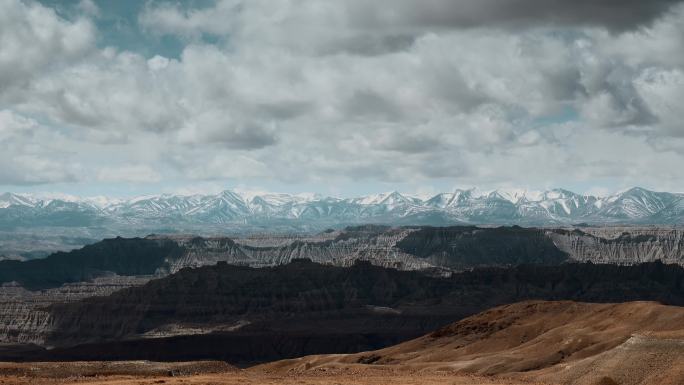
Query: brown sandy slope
point(213, 373)
point(554, 342)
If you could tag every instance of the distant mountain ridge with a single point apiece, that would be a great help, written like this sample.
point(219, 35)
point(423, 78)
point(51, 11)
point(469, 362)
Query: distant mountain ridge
point(552, 207)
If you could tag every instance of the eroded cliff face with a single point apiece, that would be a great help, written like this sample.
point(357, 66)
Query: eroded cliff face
point(199, 251)
point(23, 320)
point(445, 248)
point(25, 317)
point(118, 256)
point(376, 244)
point(461, 248)
point(295, 298)
point(240, 304)
point(405, 248)
point(624, 246)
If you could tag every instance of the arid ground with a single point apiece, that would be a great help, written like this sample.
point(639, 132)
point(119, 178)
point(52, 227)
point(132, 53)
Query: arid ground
point(144, 373)
point(533, 342)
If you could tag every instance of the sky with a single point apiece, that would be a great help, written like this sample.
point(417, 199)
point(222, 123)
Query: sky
point(340, 97)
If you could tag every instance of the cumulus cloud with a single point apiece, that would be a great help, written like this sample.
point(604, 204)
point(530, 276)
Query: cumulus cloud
point(34, 40)
point(365, 27)
point(662, 90)
point(325, 92)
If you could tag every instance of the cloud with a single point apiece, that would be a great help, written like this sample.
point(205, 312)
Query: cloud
point(27, 157)
point(33, 170)
point(215, 127)
point(222, 166)
point(129, 173)
point(334, 93)
point(365, 103)
point(13, 125)
point(377, 27)
point(615, 15)
point(35, 40)
point(89, 8)
point(166, 18)
point(662, 90)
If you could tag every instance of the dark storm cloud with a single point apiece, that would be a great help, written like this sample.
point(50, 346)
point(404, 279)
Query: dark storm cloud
point(616, 15)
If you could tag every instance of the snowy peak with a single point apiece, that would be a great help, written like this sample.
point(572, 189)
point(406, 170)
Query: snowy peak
point(558, 193)
point(638, 203)
point(390, 198)
point(455, 199)
point(512, 195)
point(441, 200)
point(394, 199)
point(9, 199)
point(503, 206)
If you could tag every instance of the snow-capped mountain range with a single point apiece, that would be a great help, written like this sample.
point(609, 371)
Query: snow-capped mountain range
point(553, 207)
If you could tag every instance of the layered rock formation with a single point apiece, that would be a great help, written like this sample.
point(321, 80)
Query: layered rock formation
point(406, 248)
point(477, 267)
point(452, 248)
point(25, 316)
point(120, 256)
point(622, 245)
point(292, 310)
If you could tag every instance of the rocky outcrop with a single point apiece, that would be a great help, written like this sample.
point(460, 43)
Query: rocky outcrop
point(623, 246)
point(441, 249)
point(120, 256)
point(377, 245)
point(31, 287)
point(467, 247)
point(278, 297)
point(24, 315)
point(296, 309)
point(453, 248)
point(405, 248)
point(197, 251)
point(363, 298)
